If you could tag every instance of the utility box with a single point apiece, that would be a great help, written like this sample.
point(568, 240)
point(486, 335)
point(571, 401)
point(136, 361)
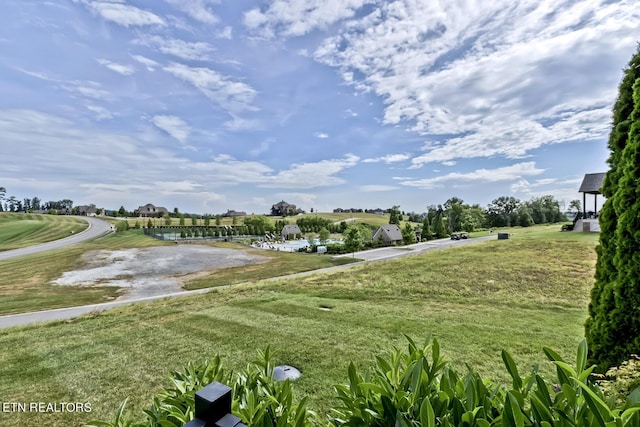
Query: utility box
point(503, 236)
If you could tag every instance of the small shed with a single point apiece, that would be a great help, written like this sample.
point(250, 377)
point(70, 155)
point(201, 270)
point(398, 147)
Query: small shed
point(389, 233)
point(591, 184)
point(290, 230)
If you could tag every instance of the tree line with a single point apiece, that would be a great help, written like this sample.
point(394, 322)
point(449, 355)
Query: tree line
point(14, 204)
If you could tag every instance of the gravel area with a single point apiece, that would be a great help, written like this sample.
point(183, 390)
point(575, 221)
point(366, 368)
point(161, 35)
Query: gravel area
point(145, 272)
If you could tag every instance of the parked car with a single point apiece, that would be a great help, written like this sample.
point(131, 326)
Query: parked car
point(458, 236)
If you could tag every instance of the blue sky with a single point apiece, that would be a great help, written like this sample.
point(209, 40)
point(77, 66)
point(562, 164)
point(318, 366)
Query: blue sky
point(209, 105)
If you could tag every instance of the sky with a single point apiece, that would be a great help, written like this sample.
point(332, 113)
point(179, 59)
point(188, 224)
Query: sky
point(209, 105)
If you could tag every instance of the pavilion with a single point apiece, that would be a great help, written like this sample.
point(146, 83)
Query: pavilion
point(591, 184)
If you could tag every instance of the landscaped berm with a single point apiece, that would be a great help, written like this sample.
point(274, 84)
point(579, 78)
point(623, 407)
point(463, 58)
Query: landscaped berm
point(520, 295)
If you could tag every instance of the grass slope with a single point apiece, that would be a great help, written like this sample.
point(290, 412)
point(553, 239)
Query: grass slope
point(518, 294)
point(25, 282)
point(21, 230)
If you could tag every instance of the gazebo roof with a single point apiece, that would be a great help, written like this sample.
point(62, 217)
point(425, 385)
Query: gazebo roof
point(592, 183)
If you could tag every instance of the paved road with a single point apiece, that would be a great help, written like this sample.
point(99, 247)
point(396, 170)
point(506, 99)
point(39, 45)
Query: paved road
point(97, 228)
point(374, 255)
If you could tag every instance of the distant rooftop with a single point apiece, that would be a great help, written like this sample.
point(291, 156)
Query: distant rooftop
point(592, 183)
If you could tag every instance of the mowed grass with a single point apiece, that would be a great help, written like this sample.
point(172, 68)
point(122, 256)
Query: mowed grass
point(26, 283)
point(518, 294)
point(21, 230)
point(280, 264)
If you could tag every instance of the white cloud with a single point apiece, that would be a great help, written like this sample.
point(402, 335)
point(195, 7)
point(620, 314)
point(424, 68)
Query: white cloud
point(321, 135)
point(101, 113)
point(482, 72)
point(376, 188)
point(229, 94)
point(350, 113)
point(299, 17)
point(122, 14)
point(506, 173)
point(197, 9)
point(87, 89)
point(225, 33)
point(390, 158)
point(263, 147)
point(125, 70)
point(149, 63)
point(174, 126)
point(176, 47)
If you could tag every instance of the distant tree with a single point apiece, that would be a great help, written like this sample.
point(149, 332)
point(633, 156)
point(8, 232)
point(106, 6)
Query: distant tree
point(122, 211)
point(35, 204)
point(176, 212)
point(323, 235)
point(576, 204)
point(453, 210)
point(311, 210)
point(234, 220)
point(501, 212)
point(194, 219)
point(218, 219)
point(408, 234)
point(439, 229)
point(524, 217)
point(181, 222)
point(207, 220)
point(3, 192)
point(353, 239)
point(149, 223)
point(395, 215)
point(99, 211)
point(183, 234)
point(426, 233)
point(136, 225)
point(167, 220)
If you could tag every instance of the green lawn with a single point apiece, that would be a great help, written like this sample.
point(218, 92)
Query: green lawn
point(519, 294)
point(21, 230)
point(25, 282)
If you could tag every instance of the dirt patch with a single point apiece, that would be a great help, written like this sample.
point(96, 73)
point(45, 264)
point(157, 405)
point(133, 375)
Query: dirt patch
point(143, 272)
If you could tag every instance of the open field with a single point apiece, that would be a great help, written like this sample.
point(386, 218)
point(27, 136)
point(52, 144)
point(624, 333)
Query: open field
point(18, 230)
point(519, 294)
point(25, 282)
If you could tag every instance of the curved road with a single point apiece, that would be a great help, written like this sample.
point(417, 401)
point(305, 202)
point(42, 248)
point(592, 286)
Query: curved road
point(97, 228)
point(375, 255)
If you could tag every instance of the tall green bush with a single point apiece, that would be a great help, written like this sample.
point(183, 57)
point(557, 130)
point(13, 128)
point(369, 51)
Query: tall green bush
point(608, 344)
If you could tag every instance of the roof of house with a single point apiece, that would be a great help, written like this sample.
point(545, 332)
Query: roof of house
point(592, 183)
point(291, 229)
point(392, 231)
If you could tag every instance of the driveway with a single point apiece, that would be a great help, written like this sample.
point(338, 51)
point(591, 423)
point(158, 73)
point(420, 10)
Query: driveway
point(97, 228)
point(381, 254)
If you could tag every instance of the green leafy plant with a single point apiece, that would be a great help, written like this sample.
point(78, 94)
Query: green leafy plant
point(258, 399)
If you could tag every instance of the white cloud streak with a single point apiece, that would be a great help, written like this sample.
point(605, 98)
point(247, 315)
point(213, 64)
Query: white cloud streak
point(125, 70)
point(174, 126)
point(122, 14)
point(507, 173)
point(229, 94)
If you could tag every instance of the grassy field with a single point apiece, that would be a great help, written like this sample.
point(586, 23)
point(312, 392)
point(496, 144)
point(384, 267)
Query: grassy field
point(519, 294)
point(21, 230)
point(26, 282)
